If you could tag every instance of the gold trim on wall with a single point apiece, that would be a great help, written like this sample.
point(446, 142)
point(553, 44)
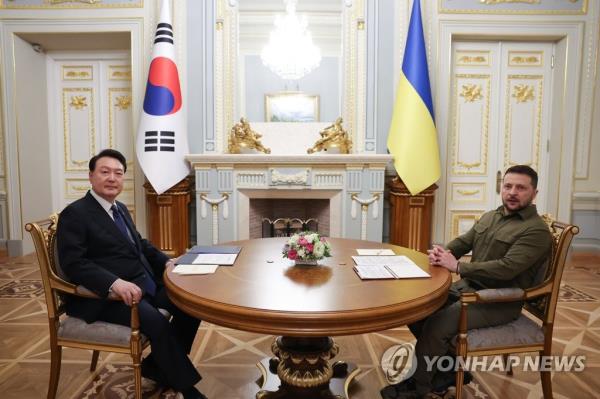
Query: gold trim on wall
point(523, 94)
point(469, 191)
point(471, 92)
point(581, 11)
point(80, 164)
point(77, 72)
point(457, 216)
point(458, 167)
point(472, 58)
point(119, 72)
point(525, 58)
point(116, 105)
point(71, 4)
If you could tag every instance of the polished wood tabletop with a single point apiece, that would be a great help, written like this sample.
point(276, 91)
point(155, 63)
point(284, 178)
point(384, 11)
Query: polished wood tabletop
point(263, 292)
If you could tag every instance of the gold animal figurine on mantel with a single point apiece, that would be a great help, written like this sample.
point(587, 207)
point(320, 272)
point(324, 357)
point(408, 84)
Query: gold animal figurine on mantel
point(243, 137)
point(333, 136)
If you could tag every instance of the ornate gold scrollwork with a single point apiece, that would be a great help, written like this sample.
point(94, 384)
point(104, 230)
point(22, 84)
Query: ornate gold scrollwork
point(489, 2)
point(123, 102)
point(78, 102)
point(467, 192)
point(304, 370)
point(242, 136)
point(75, 1)
point(333, 136)
point(525, 60)
point(122, 74)
point(471, 92)
point(467, 59)
point(77, 74)
point(523, 93)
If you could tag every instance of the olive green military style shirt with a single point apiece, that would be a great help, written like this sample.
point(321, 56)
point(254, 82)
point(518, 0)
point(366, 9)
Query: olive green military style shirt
point(508, 249)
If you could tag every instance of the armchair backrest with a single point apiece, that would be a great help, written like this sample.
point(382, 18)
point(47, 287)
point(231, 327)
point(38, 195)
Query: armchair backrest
point(43, 234)
point(545, 307)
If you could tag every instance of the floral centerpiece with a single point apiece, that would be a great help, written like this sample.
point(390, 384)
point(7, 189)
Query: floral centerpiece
point(306, 248)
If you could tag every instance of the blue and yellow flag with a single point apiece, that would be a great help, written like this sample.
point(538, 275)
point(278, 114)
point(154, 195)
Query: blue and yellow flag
point(412, 138)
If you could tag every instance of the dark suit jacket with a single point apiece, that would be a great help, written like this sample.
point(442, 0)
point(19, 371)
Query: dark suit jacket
point(94, 253)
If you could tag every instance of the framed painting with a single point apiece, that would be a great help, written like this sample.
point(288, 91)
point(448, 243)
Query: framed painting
point(291, 106)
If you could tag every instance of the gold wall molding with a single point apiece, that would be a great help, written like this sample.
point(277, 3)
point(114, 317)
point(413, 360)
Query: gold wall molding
point(70, 163)
point(471, 92)
point(71, 4)
point(123, 102)
point(462, 216)
point(525, 58)
point(493, 2)
point(468, 192)
point(78, 102)
point(77, 72)
point(479, 167)
point(529, 7)
point(523, 93)
point(119, 72)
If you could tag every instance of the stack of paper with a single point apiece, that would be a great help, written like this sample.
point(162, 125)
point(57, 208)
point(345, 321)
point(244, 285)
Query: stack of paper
point(376, 252)
point(195, 269)
point(387, 267)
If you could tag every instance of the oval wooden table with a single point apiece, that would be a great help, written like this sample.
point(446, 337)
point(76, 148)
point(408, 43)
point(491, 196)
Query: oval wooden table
point(306, 306)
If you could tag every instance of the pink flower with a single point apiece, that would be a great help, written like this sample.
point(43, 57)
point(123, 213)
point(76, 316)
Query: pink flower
point(309, 248)
point(302, 241)
point(292, 254)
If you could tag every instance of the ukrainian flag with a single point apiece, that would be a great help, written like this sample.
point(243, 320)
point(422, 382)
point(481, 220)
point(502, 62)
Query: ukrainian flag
point(412, 138)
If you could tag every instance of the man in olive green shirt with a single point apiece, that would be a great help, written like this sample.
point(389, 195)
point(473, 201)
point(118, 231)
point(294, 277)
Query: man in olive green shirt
point(509, 245)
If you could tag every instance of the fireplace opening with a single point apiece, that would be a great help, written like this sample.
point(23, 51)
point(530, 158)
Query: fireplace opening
point(276, 217)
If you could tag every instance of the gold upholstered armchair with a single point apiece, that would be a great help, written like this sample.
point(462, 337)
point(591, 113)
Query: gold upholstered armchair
point(73, 332)
point(523, 334)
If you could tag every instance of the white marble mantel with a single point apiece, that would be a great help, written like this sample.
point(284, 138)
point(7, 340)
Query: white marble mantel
point(225, 184)
point(378, 160)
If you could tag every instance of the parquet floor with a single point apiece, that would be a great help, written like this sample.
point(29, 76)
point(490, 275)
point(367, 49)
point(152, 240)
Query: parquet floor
point(226, 358)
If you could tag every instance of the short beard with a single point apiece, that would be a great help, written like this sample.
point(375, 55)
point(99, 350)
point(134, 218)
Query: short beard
point(517, 209)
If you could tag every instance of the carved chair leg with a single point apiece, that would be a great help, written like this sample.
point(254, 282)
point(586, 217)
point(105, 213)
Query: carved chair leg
point(94, 360)
point(459, 382)
point(508, 364)
point(55, 360)
point(137, 376)
point(546, 380)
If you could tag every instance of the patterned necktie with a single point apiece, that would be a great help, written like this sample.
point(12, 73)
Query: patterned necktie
point(148, 283)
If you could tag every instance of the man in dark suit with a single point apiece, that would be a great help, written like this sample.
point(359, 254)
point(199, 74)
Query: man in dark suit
point(100, 248)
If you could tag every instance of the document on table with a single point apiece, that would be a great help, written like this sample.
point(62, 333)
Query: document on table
point(214, 259)
point(195, 269)
point(399, 266)
point(375, 252)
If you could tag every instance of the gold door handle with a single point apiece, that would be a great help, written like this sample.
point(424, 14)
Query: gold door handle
point(498, 182)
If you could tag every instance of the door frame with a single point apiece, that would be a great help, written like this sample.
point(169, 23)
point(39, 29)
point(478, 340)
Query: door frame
point(12, 151)
point(568, 36)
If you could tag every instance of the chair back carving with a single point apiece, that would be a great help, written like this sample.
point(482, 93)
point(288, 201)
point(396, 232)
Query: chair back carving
point(544, 308)
point(43, 234)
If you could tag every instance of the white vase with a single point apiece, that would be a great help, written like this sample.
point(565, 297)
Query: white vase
point(306, 262)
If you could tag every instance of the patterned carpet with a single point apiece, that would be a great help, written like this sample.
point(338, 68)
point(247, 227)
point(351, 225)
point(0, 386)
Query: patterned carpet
point(226, 358)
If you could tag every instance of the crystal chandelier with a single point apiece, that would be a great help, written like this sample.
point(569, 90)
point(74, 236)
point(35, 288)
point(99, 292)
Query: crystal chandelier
point(290, 53)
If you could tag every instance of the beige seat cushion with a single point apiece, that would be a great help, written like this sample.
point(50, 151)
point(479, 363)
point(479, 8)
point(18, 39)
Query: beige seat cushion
point(522, 331)
point(99, 332)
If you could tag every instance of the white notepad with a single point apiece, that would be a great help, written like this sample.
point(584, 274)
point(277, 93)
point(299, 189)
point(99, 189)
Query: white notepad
point(375, 252)
point(385, 267)
point(195, 269)
point(215, 259)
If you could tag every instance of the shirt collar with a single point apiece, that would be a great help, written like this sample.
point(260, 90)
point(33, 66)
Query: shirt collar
point(524, 213)
point(103, 203)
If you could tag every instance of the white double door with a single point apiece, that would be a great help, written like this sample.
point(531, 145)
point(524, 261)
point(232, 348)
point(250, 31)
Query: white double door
point(500, 115)
point(91, 100)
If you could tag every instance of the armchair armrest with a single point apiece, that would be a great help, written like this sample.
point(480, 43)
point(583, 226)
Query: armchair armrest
point(494, 295)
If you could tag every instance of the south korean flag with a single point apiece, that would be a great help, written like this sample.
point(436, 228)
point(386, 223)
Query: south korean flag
point(162, 134)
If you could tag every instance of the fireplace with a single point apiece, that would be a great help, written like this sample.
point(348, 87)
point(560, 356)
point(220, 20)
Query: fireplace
point(235, 192)
point(281, 217)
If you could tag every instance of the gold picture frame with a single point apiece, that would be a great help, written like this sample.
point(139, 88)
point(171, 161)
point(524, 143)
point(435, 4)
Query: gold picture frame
point(291, 106)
